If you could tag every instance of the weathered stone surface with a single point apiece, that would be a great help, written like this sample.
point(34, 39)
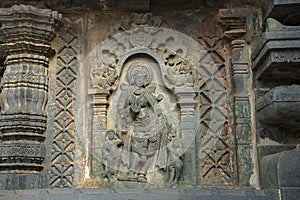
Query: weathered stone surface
point(279, 107)
point(237, 30)
point(290, 193)
point(276, 54)
point(93, 194)
point(268, 150)
point(281, 169)
point(286, 12)
point(132, 103)
point(275, 72)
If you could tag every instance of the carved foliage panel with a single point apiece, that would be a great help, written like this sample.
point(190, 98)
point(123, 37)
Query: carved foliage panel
point(62, 169)
point(215, 140)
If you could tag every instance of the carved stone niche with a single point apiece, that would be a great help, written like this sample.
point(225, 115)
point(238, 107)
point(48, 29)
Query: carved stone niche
point(142, 125)
point(141, 107)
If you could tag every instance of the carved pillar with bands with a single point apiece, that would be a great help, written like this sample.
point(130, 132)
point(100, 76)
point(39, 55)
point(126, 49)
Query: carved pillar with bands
point(26, 32)
point(237, 24)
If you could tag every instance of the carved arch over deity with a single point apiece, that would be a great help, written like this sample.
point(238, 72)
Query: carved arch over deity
point(142, 107)
point(177, 59)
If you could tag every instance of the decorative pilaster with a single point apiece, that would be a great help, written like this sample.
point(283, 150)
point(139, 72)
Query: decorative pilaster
point(236, 23)
point(27, 32)
point(188, 104)
point(99, 107)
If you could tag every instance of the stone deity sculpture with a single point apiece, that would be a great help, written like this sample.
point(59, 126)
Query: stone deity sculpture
point(144, 123)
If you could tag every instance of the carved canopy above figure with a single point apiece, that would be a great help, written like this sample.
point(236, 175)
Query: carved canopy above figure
point(142, 33)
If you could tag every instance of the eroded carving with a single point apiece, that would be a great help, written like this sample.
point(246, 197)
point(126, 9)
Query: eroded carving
point(180, 72)
point(102, 76)
point(174, 149)
point(142, 140)
point(141, 37)
point(138, 20)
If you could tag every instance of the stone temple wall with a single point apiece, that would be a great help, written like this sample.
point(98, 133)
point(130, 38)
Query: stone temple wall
point(150, 94)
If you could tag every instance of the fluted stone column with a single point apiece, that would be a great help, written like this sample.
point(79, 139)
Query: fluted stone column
point(26, 32)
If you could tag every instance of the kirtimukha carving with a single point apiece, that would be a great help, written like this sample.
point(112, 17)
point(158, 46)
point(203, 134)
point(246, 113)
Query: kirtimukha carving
point(138, 20)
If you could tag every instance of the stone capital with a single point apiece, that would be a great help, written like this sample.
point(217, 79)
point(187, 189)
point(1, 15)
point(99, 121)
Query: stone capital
point(34, 24)
point(234, 22)
point(186, 96)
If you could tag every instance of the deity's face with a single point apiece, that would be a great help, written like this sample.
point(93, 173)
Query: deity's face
point(110, 135)
point(139, 79)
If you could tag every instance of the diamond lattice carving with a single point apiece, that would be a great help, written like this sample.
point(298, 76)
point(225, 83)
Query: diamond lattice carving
point(62, 170)
point(215, 139)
